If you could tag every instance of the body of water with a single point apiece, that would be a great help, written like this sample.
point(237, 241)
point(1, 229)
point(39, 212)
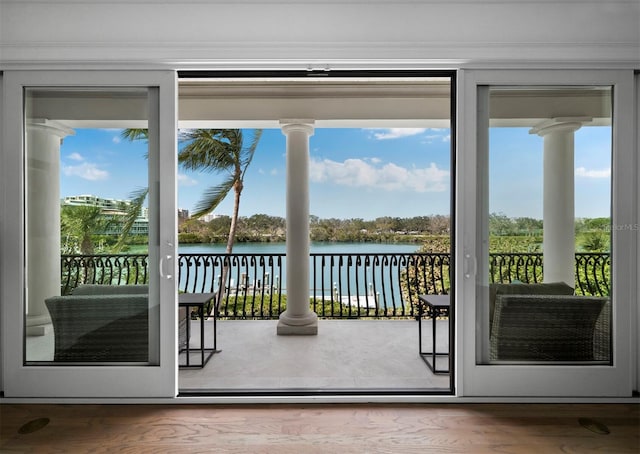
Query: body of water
point(316, 248)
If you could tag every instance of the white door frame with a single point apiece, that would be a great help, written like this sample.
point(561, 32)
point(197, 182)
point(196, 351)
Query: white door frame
point(531, 380)
point(20, 380)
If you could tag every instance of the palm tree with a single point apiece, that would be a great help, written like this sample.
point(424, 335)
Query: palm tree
point(210, 150)
point(595, 242)
point(219, 151)
point(79, 223)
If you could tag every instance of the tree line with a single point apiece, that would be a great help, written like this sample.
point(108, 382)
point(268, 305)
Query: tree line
point(502, 225)
point(265, 228)
point(592, 233)
point(79, 225)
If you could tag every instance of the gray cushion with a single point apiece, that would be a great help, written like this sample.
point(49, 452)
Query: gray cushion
point(551, 288)
point(99, 289)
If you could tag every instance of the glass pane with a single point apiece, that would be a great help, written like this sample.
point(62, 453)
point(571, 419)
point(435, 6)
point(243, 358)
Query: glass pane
point(547, 205)
point(87, 226)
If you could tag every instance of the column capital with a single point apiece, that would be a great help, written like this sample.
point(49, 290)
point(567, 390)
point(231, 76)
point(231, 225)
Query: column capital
point(52, 127)
point(559, 124)
point(305, 125)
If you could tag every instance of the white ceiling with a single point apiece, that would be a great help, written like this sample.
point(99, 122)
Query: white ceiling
point(379, 103)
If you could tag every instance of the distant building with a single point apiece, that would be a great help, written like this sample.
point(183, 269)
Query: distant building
point(210, 217)
point(94, 201)
point(183, 214)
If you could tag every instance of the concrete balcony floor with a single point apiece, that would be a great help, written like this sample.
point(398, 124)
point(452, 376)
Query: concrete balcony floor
point(345, 355)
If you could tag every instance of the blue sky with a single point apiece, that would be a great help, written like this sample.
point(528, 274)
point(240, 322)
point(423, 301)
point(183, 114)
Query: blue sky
point(354, 173)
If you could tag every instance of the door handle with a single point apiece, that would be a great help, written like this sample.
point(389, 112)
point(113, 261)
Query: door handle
point(161, 266)
point(470, 266)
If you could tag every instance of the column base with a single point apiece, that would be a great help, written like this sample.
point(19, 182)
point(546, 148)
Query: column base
point(298, 326)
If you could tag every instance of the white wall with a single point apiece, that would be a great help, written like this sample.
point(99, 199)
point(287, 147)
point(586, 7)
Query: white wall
point(241, 33)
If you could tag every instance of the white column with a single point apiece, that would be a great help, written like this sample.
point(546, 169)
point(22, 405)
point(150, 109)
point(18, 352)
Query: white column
point(298, 318)
point(42, 219)
point(559, 198)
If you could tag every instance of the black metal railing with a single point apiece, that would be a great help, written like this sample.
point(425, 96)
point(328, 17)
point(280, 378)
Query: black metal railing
point(116, 269)
point(252, 282)
point(593, 274)
point(592, 270)
point(375, 285)
point(509, 267)
point(342, 285)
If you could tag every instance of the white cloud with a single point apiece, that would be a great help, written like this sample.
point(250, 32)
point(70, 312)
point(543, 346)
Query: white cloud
point(273, 172)
point(439, 135)
point(87, 171)
point(390, 177)
point(185, 180)
point(116, 139)
point(396, 133)
point(583, 172)
point(76, 157)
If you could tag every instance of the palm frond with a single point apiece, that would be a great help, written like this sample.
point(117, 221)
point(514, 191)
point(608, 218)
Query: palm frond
point(132, 134)
point(210, 150)
point(250, 151)
point(133, 211)
point(212, 197)
point(216, 150)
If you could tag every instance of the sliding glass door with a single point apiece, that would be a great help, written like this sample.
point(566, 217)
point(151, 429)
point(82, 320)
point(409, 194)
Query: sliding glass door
point(550, 296)
point(89, 175)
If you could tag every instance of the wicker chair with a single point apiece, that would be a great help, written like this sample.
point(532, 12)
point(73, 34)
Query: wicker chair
point(100, 328)
point(545, 328)
point(73, 342)
point(602, 339)
point(551, 288)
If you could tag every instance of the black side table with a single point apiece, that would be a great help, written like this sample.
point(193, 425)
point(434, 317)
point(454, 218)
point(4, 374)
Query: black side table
point(432, 306)
point(198, 301)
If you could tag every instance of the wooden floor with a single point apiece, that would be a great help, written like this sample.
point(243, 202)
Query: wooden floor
point(303, 429)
